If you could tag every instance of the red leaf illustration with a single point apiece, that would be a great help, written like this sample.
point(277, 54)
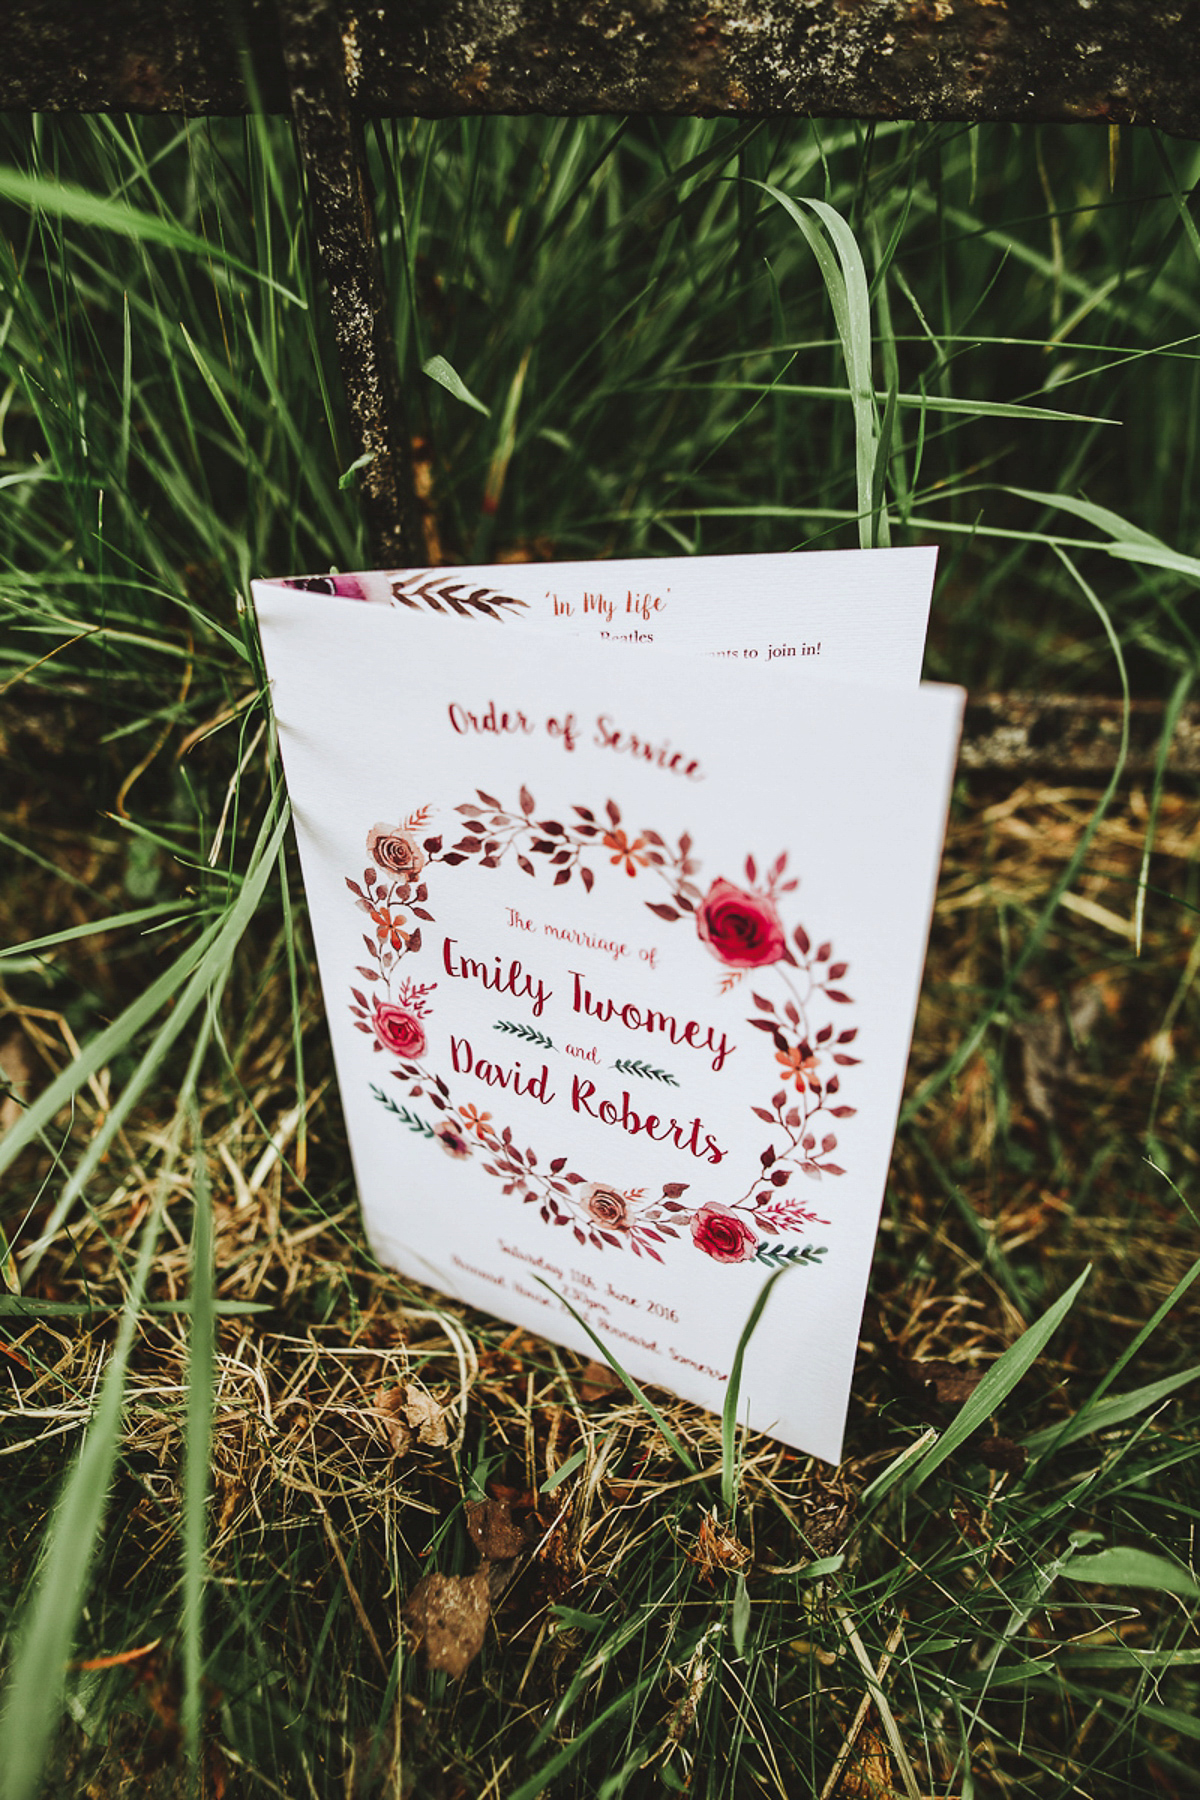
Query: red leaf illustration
point(837, 970)
point(526, 799)
point(837, 995)
point(802, 940)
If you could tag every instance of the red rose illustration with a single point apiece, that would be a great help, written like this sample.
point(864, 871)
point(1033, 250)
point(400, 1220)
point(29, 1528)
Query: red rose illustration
point(398, 1029)
point(722, 1234)
point(395, 851)
point(740, 929)
point(606, 1206)
point(452, 1140)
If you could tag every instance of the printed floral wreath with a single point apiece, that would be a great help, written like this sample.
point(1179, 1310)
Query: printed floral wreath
point(740, 927)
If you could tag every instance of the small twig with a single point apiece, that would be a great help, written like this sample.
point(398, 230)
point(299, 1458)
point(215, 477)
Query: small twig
point(355, 1598)
point(874, 1696)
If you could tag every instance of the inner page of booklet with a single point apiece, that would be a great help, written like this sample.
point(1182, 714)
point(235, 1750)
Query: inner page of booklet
point(857, 615)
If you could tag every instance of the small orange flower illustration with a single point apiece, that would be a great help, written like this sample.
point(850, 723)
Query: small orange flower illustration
point(388, 926)
point(625, 851)
point(796, 1065)
point(479, 1123)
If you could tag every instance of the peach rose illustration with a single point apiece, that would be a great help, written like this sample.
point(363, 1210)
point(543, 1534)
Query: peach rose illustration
point(606, 1206)
point(741, 929)
point(398, 1029)
point(453, 1141)
point(394, 851)
point(723, 1234)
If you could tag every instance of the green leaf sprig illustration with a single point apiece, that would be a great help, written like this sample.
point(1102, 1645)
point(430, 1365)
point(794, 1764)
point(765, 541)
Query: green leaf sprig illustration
point(527, 1033)
point(774, 1256)
point(645, 1071)
point(413, 1120)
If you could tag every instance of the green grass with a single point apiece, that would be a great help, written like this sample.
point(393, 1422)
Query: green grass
point(618, 338)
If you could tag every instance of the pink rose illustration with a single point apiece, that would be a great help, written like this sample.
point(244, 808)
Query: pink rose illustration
point(395, 851)
point(740, 929)
point(606, 1206)
point(452, 1140)
point(398, 1029)
point(348, 587)
point(722, 1234)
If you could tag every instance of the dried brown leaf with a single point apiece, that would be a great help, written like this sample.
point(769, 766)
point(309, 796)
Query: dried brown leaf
point(597, 1382)
point(948, 1383)
point(389, 1404)
point(408, 1412)
point(426, 1417)
point(493, 1529)
point(449, 1614)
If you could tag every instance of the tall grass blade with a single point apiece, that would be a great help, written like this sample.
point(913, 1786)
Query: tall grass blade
point(647, 1405)
point(845, 278)
point(1102, 1415)
point(729, 1482)
point(995, 1387)
point(197, 1445)
point(1120, 1567)
point(44, 1637)
point(64, 200)
point(216, 954)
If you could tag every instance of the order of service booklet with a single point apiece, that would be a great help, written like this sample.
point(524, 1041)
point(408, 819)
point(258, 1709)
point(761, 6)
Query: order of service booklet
point(620, 877)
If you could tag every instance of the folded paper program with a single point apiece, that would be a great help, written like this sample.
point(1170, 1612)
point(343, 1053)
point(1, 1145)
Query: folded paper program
point(646, 1005)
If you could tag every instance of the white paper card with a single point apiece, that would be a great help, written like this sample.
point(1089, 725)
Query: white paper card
point(853, 615)
point(621, 948)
